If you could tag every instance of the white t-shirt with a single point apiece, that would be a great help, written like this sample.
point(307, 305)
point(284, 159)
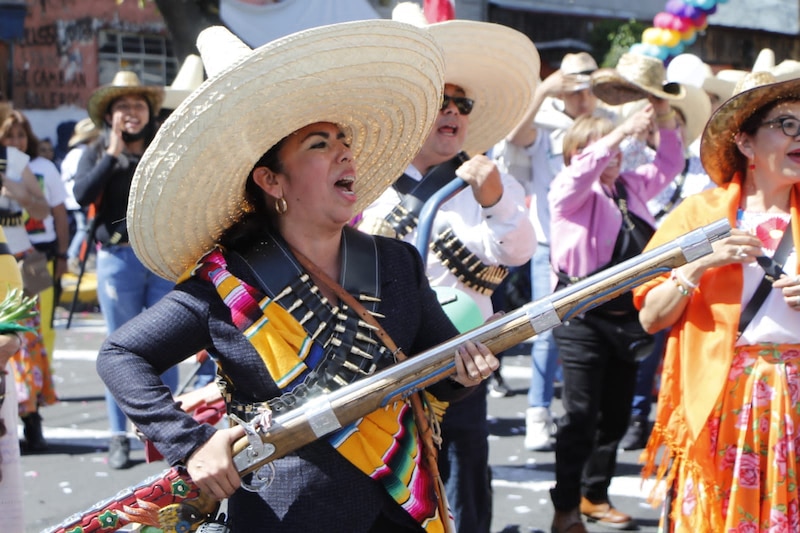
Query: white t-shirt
point(16, 236)
point(42, 231)
point(260, 24)
point(69, 167)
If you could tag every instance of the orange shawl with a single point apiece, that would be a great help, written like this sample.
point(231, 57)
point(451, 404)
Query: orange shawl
point(700, 344)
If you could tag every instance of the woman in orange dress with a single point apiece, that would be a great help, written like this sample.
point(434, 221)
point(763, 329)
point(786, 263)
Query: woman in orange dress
point(729, 405)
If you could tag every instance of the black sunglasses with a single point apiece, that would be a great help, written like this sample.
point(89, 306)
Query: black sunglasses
point(463, 104)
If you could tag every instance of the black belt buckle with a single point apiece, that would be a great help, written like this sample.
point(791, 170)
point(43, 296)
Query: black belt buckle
point(772, 269)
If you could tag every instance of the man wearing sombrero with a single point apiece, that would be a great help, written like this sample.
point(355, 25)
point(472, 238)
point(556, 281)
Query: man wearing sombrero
point(125, 111)
point(480, 230)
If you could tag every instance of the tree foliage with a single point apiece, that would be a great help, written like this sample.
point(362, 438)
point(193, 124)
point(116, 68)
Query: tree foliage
point(610, 38)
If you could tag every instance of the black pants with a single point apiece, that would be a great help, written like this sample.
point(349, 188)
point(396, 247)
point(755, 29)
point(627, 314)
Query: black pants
point(598, 389)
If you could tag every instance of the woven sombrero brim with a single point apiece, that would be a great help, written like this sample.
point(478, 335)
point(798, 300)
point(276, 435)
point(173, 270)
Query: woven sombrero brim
point(102, 97)
point(498, 67)
point(696, 110)
point(613, 89)
point(718, 151)
point(382, 80)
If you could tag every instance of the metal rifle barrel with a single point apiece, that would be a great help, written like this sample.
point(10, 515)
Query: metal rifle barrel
point(330, 412)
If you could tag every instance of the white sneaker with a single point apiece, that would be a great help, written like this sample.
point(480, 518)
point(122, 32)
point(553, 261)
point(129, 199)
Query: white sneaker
point(538, 428)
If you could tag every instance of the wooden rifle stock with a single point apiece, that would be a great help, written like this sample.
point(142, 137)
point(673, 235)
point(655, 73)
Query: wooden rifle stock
point(326, 414)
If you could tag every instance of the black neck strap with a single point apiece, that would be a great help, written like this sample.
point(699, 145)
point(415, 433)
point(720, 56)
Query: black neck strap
point(772, 270)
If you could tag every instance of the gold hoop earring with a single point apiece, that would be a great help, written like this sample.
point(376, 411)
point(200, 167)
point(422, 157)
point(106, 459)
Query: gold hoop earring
point(280, 205)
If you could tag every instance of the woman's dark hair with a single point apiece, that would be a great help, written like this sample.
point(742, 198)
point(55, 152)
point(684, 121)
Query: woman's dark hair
point(260, 215)
point(754, 121)
point(15, 118)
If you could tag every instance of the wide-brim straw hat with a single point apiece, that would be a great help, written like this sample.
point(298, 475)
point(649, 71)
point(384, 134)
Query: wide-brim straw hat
point(188, 78)
point(695, 107)
point(718, 151)
point(577, 69)
point(124, 83)
point(635, 77)
point(379, 80)
point(84, 131)
point(497, 66)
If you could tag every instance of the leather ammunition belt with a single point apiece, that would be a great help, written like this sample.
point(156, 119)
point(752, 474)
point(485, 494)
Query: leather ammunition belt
point(352, 351)
point(10, 219)
point(465, 265)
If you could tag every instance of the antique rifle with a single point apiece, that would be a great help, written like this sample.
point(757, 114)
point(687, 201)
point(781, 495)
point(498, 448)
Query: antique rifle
point(173, 503)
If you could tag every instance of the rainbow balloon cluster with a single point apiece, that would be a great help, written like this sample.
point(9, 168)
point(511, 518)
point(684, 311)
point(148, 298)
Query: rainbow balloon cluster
point(675, 28)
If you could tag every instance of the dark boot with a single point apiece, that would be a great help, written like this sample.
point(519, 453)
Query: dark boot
point(637, 434)
point(32, 429)
point(119, 451)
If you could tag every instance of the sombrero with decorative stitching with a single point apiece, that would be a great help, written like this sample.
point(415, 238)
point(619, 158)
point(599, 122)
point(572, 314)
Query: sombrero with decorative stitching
point(497, 66)
point(380, 80)
point(124, 83)
point(718, 151)
point(635, 77)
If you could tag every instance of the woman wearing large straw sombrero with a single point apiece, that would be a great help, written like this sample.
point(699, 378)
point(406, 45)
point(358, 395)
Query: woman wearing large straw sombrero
point(255, 232)
point(728, 403)
point(125, 111)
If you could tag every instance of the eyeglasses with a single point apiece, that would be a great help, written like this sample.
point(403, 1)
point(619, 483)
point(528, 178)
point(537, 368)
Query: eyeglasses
point(463, 104)
point(789, 125)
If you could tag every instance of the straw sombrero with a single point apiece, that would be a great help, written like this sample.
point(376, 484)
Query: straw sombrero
point(635, 77)
point(497, 66)
point(380, 80)
point(718, 151)
point(577, 69)
point(124, 83)
point(188, 78)
point(84, 131)
point(696, 110)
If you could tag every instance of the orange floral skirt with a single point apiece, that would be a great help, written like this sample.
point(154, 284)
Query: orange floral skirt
point(754, 436)
point(32, 373)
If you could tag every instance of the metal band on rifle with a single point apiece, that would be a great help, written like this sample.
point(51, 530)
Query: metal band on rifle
point(465, 265)
point(329, 327)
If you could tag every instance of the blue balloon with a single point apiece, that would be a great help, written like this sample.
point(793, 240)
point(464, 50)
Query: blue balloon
point(651, 50)
point(678, 49)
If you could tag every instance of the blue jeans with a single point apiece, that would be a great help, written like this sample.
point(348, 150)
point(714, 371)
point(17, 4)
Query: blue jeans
point(79, 216)
point(125, 288)
point(544, 352)
point(464, 462)
point(646, 376)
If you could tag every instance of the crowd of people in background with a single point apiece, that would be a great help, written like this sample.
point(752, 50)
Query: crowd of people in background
point(563, 177)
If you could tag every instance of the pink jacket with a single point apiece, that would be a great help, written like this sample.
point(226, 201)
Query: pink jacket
point(584, 221)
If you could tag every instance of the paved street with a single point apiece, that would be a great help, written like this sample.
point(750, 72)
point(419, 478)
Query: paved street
point(73, 474)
